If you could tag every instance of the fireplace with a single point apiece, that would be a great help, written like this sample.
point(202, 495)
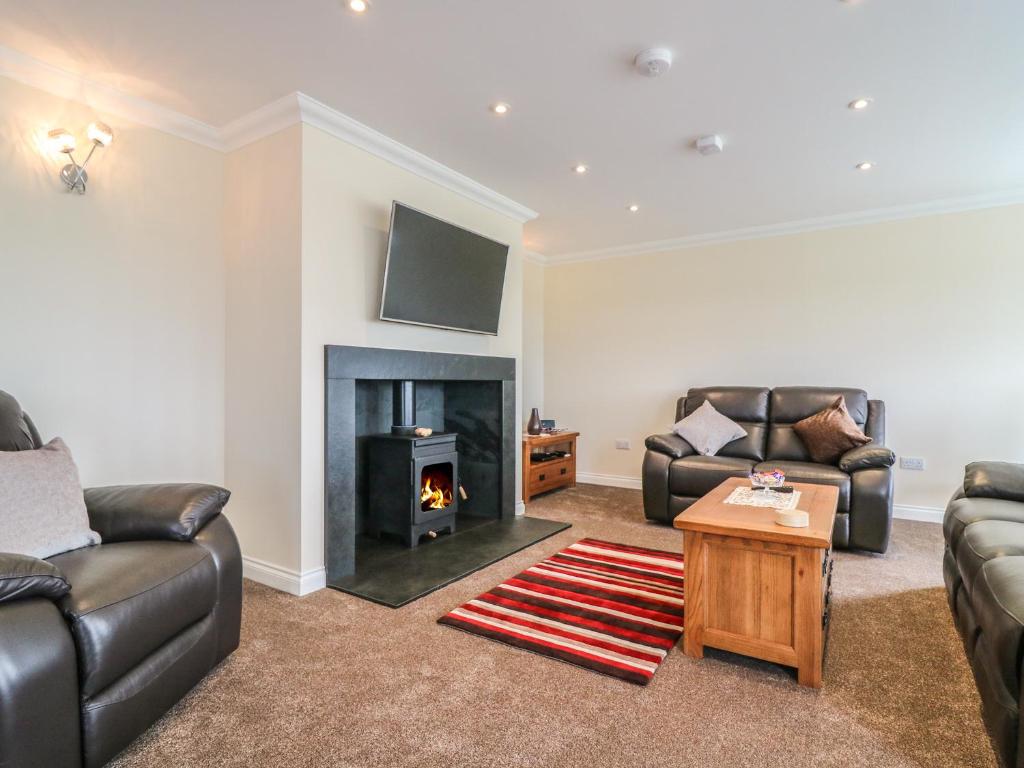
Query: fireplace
point(375, 399)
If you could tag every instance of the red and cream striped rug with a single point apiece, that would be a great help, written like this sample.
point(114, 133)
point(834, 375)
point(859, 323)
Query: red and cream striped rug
point(608, 607)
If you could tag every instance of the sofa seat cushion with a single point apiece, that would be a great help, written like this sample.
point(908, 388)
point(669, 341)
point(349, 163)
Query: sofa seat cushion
point(962, 512)
point(983, 541)
point(809, 472)
point(128, 599)
point(698, 475)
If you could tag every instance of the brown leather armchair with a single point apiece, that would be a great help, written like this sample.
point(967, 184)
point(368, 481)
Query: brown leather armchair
point(675, 476)
point(97, 643)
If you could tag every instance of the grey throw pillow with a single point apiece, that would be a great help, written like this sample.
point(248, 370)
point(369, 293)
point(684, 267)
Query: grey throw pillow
point(42, 509)
point(707, 430)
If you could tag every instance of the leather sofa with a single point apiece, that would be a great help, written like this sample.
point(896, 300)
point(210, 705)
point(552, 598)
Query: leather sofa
point(983, 568)
point(149, 612)
point(675, 475)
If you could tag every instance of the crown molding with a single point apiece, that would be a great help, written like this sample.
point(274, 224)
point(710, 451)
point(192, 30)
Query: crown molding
point(262, 122)
point(1014, 196)
point(352, 131)
point(536, 258)
point(297, 108)
point(67, 85)
point(286, 111)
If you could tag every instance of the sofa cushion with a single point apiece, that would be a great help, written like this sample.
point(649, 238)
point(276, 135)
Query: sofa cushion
point(994, 480)
point(791, 404)
point(983, 541)
point(809, 472)
point(962, 512)
point(128, 599)
point(43, 511)
point(698, 475)
point(830, 433)
point(707, 430)
point(747, 406)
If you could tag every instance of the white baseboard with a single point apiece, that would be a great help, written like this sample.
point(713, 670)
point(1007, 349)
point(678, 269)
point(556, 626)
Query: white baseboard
point(920, 514)
point(615, 481)
point(284, 579)
point(520, 508)
point(899, 511)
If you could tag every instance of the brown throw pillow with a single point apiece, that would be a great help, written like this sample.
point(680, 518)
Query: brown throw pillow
point(830, 433)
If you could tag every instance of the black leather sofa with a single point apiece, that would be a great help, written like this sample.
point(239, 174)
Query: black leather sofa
point(675, 476)
point(983, 568)
point(97, 643)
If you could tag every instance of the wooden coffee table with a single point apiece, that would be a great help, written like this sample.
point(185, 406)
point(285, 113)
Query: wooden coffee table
point(755, 587)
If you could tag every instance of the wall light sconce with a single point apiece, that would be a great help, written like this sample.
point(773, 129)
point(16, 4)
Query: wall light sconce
point(73, 175)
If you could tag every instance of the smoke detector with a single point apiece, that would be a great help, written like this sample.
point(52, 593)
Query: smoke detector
point(709, 145)
point(653, 62)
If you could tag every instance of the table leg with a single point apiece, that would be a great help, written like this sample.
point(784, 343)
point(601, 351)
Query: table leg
point(693, 621)
point(809, 636)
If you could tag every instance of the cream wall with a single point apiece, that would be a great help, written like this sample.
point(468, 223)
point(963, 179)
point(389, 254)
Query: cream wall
point(170, 323)
point(925, 314)
point(346, 205)
point(262, 396)
point(112, 318)
point(533, 337)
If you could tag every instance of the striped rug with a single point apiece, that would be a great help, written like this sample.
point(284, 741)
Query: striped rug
point(608, 607)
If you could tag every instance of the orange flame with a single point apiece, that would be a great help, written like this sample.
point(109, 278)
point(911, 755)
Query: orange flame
point(435, 498)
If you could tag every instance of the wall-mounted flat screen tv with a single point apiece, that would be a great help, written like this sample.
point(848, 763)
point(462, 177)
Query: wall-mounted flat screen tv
point(441, 275)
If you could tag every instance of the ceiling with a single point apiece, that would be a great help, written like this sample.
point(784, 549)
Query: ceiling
point(773, 78)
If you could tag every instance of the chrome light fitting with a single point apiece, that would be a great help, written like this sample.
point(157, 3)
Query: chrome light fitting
point(73, 175)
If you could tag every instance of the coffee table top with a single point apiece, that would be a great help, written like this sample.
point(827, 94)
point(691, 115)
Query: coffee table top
point(710, 514)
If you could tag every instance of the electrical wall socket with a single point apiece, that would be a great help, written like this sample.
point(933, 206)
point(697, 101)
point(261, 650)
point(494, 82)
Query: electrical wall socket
point(911, 462)
point(622, 445)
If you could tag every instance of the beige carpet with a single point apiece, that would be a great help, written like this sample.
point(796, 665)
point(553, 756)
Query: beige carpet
point(331, 680)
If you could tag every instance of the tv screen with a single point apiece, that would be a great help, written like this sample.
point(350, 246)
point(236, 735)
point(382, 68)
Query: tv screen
point(441, 275)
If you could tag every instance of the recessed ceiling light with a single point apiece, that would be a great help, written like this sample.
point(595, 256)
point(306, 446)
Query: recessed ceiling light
point(500, 108)
point(867, 165)
point(581, 169)
point(859, 104)
point(634, 208)
point(359, 6)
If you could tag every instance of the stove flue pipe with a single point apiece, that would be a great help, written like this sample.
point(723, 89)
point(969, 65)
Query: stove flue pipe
point(403, 398)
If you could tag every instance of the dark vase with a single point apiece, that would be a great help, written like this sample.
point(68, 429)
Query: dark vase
point(533, 425)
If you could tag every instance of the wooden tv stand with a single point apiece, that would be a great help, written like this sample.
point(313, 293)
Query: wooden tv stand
point(542, 476)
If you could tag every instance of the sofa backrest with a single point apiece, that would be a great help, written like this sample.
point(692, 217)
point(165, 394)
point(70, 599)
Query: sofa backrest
point(17, 432)
point(747, 406)
point(791, 404)
point(768, 415)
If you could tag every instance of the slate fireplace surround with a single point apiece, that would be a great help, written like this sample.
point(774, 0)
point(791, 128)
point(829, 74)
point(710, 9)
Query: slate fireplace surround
point(469, 395)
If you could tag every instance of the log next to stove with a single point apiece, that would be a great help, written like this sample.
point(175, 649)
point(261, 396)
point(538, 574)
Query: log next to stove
point(413, 481)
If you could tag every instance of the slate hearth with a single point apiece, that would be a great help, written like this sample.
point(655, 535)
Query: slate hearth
point(468, 395)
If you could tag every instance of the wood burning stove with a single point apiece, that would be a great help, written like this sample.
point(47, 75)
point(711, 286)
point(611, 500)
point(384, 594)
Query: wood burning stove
point(413, 486)
point(413, 482)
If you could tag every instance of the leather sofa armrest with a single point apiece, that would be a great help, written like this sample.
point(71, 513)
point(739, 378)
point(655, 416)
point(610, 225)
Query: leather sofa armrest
point(870, 456)
point(671, 445)
point(23, 576)
point(175, 512)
